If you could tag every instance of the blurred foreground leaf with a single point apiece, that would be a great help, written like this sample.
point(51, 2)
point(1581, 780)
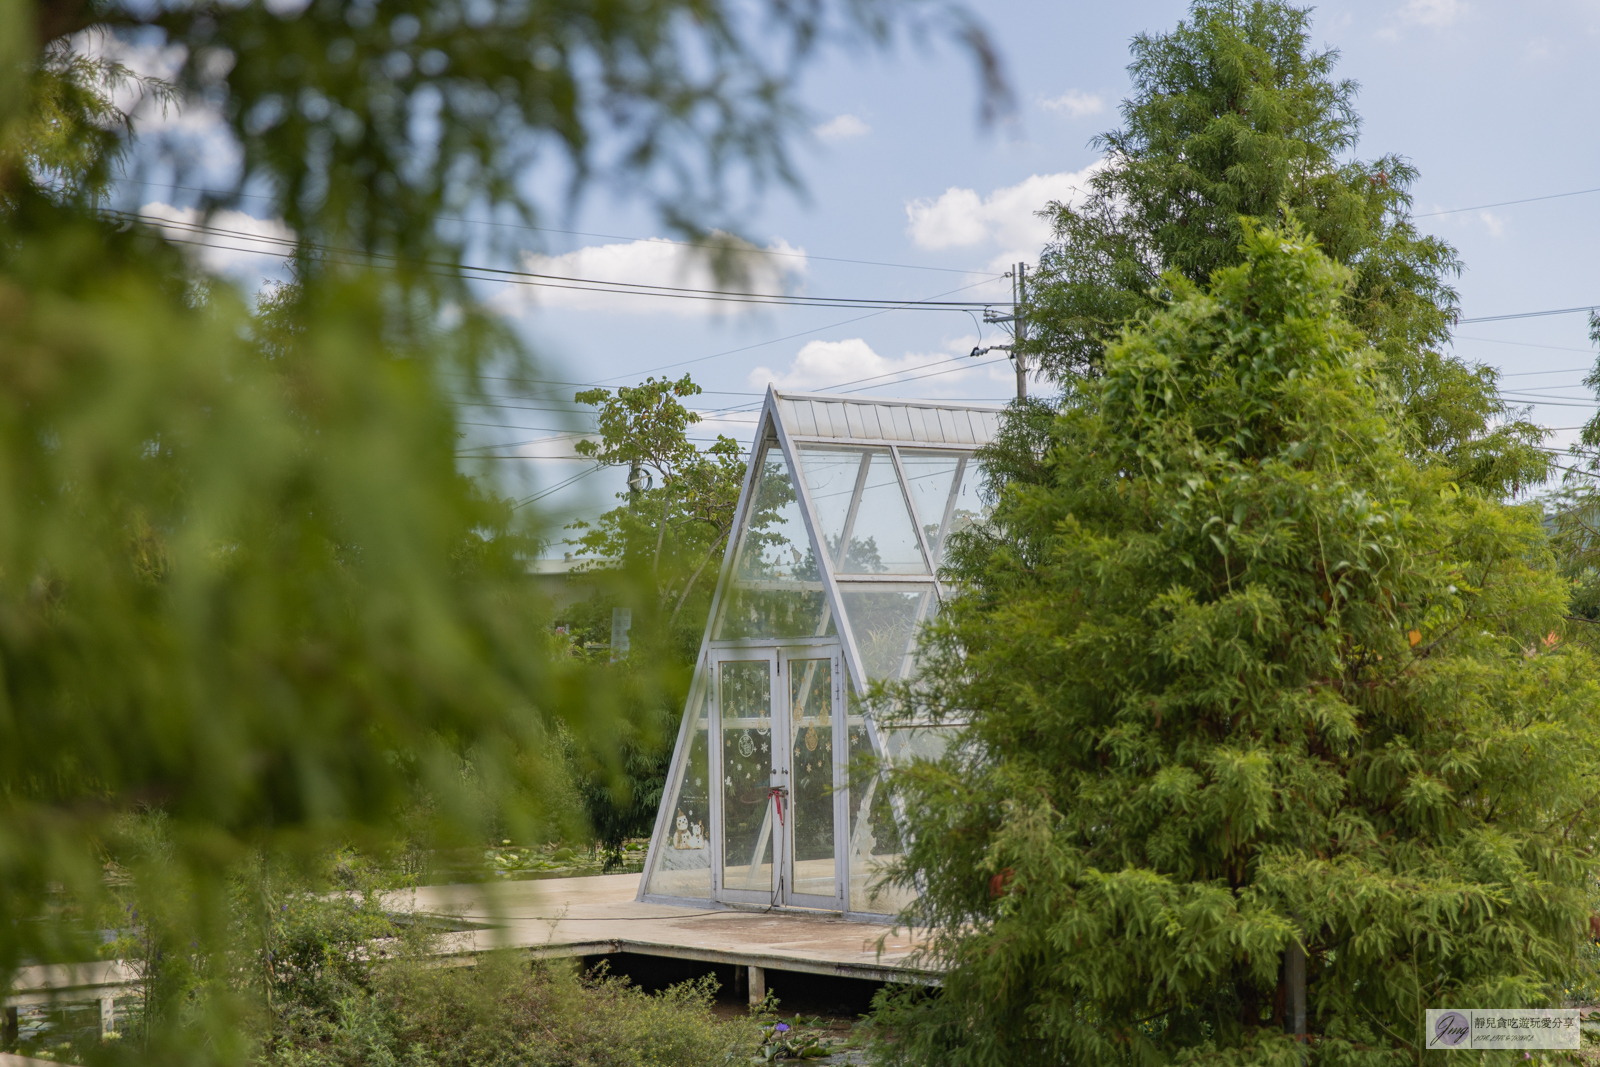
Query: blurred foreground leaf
point(251, 607)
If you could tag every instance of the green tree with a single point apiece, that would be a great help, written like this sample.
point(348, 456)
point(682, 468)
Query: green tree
point(676, 523)
point(1574, 509)
point(1240, 676)
point(666, 537)
point(244, 579)
point(1234, 116)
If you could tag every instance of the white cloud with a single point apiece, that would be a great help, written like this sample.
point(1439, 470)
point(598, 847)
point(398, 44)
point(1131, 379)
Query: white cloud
point(1007, 218)
point(231, 243)
point(188, 127)
point(1429, 14)
point(775, 270)
point(1495, 224)
point(842, 128)
point(1435, 13)
point(1075, 104)
point(826, 364)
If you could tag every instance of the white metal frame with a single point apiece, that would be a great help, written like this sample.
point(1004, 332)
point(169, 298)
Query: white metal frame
point(721, 890)
point(839, 779)
point(772, 431)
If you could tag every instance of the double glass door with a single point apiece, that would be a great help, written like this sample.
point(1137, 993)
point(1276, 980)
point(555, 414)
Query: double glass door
point(776, 714)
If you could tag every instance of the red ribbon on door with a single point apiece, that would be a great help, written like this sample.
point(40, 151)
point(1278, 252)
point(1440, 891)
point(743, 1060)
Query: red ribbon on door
point(776, 794)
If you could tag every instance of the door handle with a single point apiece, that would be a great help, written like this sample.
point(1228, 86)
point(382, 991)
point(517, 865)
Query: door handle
point(778, 794)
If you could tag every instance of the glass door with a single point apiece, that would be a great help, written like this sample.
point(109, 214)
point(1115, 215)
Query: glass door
point(779, 802)
point(742, 817)
point(810, 683)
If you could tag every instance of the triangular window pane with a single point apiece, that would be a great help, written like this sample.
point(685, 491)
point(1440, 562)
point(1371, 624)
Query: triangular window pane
point(776, 589)
point(873, 846)
point(861, 511)
point(885, 623)
point(775, 547)
point(683, 863)
point(930, 478)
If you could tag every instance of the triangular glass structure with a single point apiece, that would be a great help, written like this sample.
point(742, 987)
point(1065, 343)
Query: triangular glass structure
point(830, 570)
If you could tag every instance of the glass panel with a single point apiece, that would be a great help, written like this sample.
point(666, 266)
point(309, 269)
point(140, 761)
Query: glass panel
point(874, 837)
point(862, 511)
point(930, 479)
point(884, 622)
point(757, 611)
point(746, 706)
point(775, 547)
point(811, 774)
point(969, 507)
point(831, 476)
point(918, 742)
point(776, 589)
point(683, 868)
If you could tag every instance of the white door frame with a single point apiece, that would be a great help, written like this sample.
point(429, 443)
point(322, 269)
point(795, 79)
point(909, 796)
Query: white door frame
point(776, 833)
point(834, 901)
point(738, 890)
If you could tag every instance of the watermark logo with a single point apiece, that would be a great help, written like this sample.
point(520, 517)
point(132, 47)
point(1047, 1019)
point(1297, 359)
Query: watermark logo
point(1449, 1029)
point(1481, 1029)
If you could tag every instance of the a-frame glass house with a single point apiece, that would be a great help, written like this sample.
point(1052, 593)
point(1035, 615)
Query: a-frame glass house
point(831, 568)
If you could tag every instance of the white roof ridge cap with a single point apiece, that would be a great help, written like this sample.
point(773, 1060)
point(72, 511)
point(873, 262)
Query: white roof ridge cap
point(856, 398)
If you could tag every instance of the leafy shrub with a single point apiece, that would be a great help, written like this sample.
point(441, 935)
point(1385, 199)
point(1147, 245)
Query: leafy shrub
point(503, 1012)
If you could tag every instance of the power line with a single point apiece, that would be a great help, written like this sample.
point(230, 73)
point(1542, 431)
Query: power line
point(1538, 373)
point(471, 449)
point(1524, 344)
point(723, 413)
point(1559, 403)
point(477, 272)
point(753, 250)
point(558, 486)
point(1505, 203)
point(518, 277)
point(773, 341)
point(536, 429)
point(682, 292)
point(591, 385)
point(554, 281)
point(935, 374)
point(1546, 389)
point(1530, 314)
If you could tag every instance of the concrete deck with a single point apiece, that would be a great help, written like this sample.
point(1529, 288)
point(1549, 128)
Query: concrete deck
point(598, 915)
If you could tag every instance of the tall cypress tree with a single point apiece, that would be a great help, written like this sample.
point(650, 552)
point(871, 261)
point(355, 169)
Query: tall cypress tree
point(1242, 678)
point(1234, 115)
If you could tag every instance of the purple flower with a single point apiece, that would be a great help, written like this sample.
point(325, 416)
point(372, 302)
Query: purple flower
point(782, 1028)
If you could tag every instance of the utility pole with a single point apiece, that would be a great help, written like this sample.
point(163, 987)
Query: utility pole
point(1019, 328)
point(1018, 322)
point(635, 483)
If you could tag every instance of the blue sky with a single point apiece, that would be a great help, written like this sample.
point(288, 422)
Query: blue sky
point(1492, 102)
